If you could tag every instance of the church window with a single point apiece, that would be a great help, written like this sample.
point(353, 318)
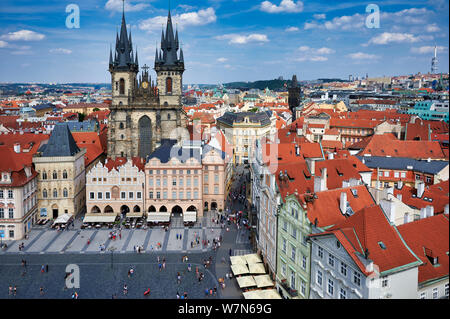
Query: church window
point(117, 85)
point(121, 126)
point(168, 116)
point(169, 85)
point(122, 86)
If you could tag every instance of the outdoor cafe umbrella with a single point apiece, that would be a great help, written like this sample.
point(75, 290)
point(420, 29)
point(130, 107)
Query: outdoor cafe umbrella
point(269, 294)
point(252, 258)
point(238, 260)
point(263, 281)
point(246, 281)
point(257, 268)
point(239, 269)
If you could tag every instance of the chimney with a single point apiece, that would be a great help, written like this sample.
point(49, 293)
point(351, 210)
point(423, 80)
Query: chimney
point(17, 147)
point(420, 189)
point(423, 213)
point(389, 208)
point(311, 166)
point(343, 202)
point(400, 185)
point(446, 209)
point(331, 156)
point(430, 211)
point(297, 150)
point(406, 218)
point(323, 180)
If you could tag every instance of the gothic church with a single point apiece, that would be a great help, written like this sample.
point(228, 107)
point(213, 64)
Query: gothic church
point(144, 112)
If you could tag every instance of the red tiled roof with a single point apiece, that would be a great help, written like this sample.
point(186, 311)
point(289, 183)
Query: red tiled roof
point(364, 231)
point(120, 161)
point(326, 206)
point(332, 144)
point(29, 143)
point(430, 235)
point(353, 123)
point(91, 142)
point(14, 163)
point(440, 197)
point(384, 145)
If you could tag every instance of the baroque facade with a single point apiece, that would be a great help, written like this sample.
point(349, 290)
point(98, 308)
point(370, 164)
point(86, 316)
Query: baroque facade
point(144, 112)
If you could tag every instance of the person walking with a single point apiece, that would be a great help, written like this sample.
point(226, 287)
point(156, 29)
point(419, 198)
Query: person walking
point(41, 290)
point(42, 268)
point(125, 289)
point(230, 251)
point(178, 278)
point(10, 291)
point(15, 290)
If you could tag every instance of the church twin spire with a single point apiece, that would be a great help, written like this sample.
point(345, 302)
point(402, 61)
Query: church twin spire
point(170, 45)
point(124, 58)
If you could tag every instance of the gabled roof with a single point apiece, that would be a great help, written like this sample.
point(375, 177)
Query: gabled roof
point(429, 236)
point(91, 142)
point(431, 197)
point(61, 143)
point(402, 163)
point(364, 232)
point(326, 206)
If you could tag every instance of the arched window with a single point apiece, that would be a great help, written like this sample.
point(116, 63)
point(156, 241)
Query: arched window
point(122, 86)
point(169, 85)
point(65, 174)
point(121, 126)
point(168, 116)
point(55, 175)
point(65, 193)
point(44, 193)
point(44, 175)
point(55, 193)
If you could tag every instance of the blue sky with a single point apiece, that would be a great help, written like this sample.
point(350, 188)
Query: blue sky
point(225, 40)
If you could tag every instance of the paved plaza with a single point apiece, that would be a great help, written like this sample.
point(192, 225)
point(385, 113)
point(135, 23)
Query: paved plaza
point(104, 273)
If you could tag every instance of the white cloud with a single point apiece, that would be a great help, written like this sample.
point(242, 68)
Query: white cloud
point(320, 51)
point(311, 25)
point(201, 17)
point(432, 28)
point(285, 6)
point(3, 44)
point(243, 39)
point(314, 55)
point(428, 49)
point(292, 29)
point(117, 5)
point(60, 50)
point(222, 60)
point(320, 16)
point(387, 37)
point(363, 56)
point(23, 35)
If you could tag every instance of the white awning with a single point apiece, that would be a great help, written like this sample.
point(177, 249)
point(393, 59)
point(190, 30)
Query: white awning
point(135, 215)
point(190, 216)
point(98, 218)
point(263, 281)
point(256, 268)
point(252, 258)
point(62, 219)
point(239, 269)
point(158, 217)
point(246, 281)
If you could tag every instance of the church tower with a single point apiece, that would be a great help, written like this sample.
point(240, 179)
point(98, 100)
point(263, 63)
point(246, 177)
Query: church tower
point(294, 97)
point(169, 66)
point(143, 113)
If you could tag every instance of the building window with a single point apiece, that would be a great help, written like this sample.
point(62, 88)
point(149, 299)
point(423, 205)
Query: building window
point(396, 175)
point(320, 252)
point(65, 174)
point(138, 195)
point(293, 251)
point(284, 245)
point(164, 195)
point(1, 193)
point(446, 290)
point(342, 294)
point(428, 179)
point(294, 232)
point(384, 282)
point(402, 174)
point(174, 182)
point(283, 269)
point(123, 195)
point(10, 194)
point(386, 174)
point(206, 178)
point(174, 195)
point(66, 193)
point(55, 175)
point(91, 195)
point(2, 213)
point(107, 195)
point(181, 195)
point(165, 182)
point(423, 295)
point(158, 195)
point(130, 195)
point(331, 260)
point(330, 287)
point(55, 193)
point(304, 262)
point(158, 182)
point(122, 87)
point(216, 190)
point(303, 288)
point(11, 234)
point(285, 226)
point(180, 183)
point(344, 269)
point(435, 292)
point(357, 279)
point(44, 175)
point(188, 195)
point(319, 278)
point(196, 195)
point(292, 280)
point(169, 86)
point(205, 190)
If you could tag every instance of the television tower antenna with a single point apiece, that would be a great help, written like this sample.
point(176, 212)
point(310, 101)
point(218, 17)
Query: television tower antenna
point(434, 62)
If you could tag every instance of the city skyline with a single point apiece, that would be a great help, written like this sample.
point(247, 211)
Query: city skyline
point(225, 41)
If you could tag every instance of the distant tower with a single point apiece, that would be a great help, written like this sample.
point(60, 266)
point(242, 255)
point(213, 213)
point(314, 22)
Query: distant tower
point(434, 62)
point(294, 97)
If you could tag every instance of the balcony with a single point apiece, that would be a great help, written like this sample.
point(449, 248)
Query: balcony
point(292, 292)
